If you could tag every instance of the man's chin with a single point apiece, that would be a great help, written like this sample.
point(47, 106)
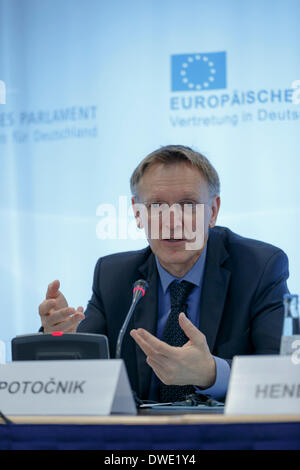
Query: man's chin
point(178, 251)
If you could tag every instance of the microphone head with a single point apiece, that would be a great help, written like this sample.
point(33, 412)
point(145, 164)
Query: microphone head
point(139, 288)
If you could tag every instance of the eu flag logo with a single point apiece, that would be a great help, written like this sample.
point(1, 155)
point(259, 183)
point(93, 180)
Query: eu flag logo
point(198, 72)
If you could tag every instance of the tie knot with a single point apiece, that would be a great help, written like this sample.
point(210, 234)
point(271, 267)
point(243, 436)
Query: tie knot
point(179, 292)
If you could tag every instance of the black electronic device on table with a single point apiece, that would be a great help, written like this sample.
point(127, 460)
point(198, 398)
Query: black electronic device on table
point(59, 346)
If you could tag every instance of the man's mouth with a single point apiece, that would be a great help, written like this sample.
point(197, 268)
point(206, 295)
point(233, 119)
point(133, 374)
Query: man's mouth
point(177, 241)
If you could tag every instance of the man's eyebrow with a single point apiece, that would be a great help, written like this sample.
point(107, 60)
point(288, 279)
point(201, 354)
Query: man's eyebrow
point(189, 196)
point(184, 197)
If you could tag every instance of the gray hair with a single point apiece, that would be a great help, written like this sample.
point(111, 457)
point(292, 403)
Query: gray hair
point(171, 154)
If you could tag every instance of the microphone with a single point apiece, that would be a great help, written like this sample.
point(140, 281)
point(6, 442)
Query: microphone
point(139, 290)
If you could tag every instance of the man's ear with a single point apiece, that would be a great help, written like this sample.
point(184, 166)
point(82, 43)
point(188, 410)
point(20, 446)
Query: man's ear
point(137, 210)
point(215, 207)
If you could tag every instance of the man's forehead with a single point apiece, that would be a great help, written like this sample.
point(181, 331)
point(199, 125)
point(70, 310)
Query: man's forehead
point(182, 196)
point(174, 167)
point(179, 177)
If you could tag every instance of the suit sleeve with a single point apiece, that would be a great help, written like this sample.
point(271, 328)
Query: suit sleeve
point(266, 314)
point(267, 306)
point(95, 318)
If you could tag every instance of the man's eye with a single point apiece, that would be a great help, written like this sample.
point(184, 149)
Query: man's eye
point(188, 203)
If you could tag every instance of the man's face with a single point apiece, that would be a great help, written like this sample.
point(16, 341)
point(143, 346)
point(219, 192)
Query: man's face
point(173, 184)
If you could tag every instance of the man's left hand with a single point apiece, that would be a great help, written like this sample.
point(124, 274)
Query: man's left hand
point(191, 364)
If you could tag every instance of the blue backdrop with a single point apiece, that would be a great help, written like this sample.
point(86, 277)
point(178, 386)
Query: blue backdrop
point(93, 86)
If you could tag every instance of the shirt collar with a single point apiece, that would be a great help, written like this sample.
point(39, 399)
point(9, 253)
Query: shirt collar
point(194, 275)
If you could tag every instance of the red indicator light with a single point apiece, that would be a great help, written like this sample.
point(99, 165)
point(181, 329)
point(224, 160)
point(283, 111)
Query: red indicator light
point(139, 288)
point(57, 333)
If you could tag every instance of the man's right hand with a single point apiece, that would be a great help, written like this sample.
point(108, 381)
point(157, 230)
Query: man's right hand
point(55, 313)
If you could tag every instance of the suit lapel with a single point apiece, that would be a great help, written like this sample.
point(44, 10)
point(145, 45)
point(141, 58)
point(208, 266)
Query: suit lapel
point(146, 317)
point(214, 289)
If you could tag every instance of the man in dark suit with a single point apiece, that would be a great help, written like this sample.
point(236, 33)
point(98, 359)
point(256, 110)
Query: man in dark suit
point(206, 302)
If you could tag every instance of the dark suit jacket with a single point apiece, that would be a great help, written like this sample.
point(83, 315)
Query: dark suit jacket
point(241, 309)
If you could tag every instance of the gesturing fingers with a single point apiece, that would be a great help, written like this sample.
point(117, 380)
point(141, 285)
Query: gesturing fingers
point(58, 316)
point(53, 290)
point(161, 357)
point(151, 346)
point(65, 319)
point(46, 306)
point(160, 368)
point(67, 326)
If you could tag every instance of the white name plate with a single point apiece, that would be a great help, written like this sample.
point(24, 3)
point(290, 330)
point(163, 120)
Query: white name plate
point(83, 387)
point(264, 385)
point(2, 352)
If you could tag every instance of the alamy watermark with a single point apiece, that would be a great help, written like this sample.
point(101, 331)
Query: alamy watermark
point(296, 92)
point(296, 354)
point(2, 92)
point(180, 222)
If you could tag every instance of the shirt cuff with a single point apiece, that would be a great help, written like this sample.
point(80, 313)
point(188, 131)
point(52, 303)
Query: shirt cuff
point(219, 389)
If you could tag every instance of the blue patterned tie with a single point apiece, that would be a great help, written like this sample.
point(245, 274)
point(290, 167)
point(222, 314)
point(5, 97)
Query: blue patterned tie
point(175, 336)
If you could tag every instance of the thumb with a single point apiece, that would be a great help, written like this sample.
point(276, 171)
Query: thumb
point(190, 330)
point(53, 290)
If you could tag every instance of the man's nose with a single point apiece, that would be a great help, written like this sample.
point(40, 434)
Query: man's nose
point(172, 222)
